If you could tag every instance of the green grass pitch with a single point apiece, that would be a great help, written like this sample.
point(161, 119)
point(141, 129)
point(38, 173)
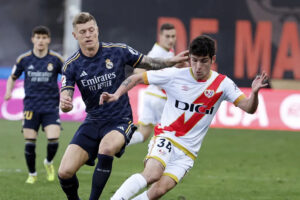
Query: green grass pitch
point(231, 165)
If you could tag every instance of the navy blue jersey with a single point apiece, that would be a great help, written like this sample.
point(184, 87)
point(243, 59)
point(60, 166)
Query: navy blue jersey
point(102, 73)
point(41, 88)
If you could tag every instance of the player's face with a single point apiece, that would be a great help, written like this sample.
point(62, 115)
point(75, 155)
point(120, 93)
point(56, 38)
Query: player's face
point(87, 34)
point(40, 42)
point(201, 66)
point(167, 38)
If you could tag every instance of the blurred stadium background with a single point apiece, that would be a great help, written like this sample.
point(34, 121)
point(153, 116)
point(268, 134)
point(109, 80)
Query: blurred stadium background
point(235, 163)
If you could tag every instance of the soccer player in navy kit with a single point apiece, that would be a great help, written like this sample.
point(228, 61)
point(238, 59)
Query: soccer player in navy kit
point(99, 67)
point(41, 67)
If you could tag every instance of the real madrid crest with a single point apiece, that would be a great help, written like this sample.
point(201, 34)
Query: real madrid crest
point(209, 93)
point(109, 64)
point(50, 67)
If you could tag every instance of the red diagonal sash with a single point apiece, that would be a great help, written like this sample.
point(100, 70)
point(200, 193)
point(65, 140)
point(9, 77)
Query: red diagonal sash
point(182, 127)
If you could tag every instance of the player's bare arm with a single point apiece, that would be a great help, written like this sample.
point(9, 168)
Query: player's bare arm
point(9, 87)
point(66, 98)
point(160, 63)
point(250, 104)
point(129, 83)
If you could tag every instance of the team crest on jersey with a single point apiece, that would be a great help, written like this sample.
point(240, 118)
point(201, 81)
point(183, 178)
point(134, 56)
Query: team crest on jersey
point(209, 93)
point(50, 67)
point(109, 64)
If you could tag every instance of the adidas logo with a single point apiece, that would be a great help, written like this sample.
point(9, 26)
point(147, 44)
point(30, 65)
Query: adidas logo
point(83, 73)
point(120, 127)
point(31, 67)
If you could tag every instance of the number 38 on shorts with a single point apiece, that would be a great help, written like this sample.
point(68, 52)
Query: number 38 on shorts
point(160, 149)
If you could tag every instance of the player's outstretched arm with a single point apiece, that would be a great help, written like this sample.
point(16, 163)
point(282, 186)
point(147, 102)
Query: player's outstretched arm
point(129, 83)
point(66, 98)
point(9, 87)
point(160, 63)
point(250, 104)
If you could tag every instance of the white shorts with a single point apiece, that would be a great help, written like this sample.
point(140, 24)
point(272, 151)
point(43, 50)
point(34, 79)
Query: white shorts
point(175, 161)
point(153, 104)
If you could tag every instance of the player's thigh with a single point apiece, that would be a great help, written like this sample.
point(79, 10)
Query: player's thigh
point(111, 143)
point(161, 187)
point(52, 131)
point(29, 133)
point(73, 158)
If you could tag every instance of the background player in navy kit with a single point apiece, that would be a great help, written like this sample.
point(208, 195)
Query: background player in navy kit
point(41, 67)
point(96, 68)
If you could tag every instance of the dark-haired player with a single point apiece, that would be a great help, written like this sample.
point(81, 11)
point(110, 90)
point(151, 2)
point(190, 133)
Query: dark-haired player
point(98, 67)
point(187, 115)
point(41, 67)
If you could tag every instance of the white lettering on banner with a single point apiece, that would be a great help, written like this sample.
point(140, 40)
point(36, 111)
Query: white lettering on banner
point(290, 111)
point(260, 114)
point(17, 94)
point(228, 114)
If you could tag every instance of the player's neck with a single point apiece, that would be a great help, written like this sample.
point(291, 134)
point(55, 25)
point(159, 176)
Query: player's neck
point(90, 52)
point(40, 53)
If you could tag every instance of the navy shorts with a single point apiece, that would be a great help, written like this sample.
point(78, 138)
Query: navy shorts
point(33, 120)
point(89, 135)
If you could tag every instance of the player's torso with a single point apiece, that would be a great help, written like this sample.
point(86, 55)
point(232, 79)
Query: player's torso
point(41, 88)
point(190, 108)
point(102, 73)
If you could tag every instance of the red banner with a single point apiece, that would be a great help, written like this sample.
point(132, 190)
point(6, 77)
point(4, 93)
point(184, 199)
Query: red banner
point(277, 110)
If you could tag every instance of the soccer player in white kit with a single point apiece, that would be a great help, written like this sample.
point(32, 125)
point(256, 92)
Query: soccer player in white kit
point(194, 96)
point(154, 97)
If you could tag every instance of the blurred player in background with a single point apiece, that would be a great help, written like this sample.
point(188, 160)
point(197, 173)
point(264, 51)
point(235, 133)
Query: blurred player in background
point(154, 97)
point(41, 67)
point(194, 96)
point(98, 67)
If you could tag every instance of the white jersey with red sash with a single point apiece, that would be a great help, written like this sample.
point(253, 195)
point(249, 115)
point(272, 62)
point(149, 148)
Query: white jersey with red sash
point(191, 104)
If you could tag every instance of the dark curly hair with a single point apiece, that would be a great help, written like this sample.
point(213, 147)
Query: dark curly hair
point(203, 45)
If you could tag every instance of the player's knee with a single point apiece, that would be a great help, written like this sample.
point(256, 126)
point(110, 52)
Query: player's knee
point(107, 151)
point(151, 178)
point(65, 173)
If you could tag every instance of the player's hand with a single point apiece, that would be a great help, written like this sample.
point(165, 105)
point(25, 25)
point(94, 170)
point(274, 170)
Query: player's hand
point(66, 104)
point(106, 97)
point(259, 82)
point(180, 58)
point(7, 96)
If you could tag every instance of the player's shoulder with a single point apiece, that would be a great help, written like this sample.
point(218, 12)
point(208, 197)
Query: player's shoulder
point(24, 55)
point(108, 45)
point(71, 60)
point(56, 54)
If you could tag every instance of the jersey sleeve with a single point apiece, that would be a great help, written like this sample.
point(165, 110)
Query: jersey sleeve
point(17, 70)
point(158, 77)
point(67, 78)
point(232, 93)
point(133, 57)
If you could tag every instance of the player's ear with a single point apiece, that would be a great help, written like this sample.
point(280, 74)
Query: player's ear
point(74, 34)
point(214, 59)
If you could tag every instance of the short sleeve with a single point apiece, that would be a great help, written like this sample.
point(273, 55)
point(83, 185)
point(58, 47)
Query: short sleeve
point(17, 70)
point(67, 78)
point(232, 93)
point(160, 77)
point(133, 57)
